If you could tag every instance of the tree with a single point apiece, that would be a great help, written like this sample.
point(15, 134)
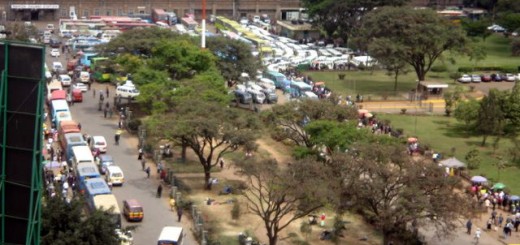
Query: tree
point(451, 99)
point(343, 17)
point(280, 197)
point(65, 223)
point(477, 53)
point(476, 28)
point(490, 120)
point(417, 37)
point(394, 65)
point(467, 111)
point(393, 190)
point(473, 159)
point(510, 21)
point(209, 129)
point(287, 120)
point(19, 31)
point(336, 136)
point(515, 48)
point(233, 57)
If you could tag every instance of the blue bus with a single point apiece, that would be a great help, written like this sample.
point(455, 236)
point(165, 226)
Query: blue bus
point(86, 171)
point(86, 59)
point(299, 88)
point(279, 79)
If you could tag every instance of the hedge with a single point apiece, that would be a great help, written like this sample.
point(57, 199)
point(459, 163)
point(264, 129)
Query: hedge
point(505, 69)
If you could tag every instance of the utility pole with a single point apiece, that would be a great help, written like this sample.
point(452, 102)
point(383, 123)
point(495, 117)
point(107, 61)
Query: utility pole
point(203, 34)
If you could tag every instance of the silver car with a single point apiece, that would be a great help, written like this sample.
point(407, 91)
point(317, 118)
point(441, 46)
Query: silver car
point(475, 78)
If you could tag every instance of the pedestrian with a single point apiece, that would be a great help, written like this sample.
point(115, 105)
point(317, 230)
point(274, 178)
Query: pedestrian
point(143, 163)
point(93, 93)
point(469, 224)
point(477, 235)
point(107, 91)
point(159, 191)
point(517, 223)
point(179, 214)
point(159, 167)
point(109, 183)
point(489, 224)
point(88, 85)
point(322, 218)
point(120, 124)
point(117, 136)
point(221, 163)
point(140, 154)
point(147, 170)
point(500, 220)
point(172, 204)
point(105, 112)
point(107, 105)
point(163, 174)
point(110, 112)
point(79, 126)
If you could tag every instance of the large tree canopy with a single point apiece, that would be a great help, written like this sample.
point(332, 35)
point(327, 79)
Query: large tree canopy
point(417, 37)
point(343, 17)
point(234, 57)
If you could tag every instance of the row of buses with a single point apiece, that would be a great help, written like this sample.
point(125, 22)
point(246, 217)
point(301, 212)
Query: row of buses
point(79, 157)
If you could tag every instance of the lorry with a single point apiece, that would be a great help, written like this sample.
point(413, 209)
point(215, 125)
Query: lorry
point(159, 15)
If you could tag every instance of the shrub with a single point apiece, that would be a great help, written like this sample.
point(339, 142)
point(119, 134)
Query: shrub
point(515, 48)
point(134, 124)
point(439, 68)
point(403, 111)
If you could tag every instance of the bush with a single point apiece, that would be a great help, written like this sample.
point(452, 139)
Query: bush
point(134, 124)
point(515, 48)
point(439, 68)
point(403, 111)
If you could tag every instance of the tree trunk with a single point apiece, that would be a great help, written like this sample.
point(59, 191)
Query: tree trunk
point(386, 237)
point(484, 140)
point(273, 237)
point(395, 80)
point(207, 176)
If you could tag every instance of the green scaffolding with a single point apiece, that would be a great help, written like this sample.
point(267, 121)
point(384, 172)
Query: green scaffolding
point(20, 222)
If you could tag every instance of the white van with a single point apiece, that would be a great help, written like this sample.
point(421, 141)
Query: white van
point(81, 154)
point(56, 65)
point(65, 80)
point(84, 77)
point(115, 175)
point(171, 235)
point(127, 90)
point(266, 83)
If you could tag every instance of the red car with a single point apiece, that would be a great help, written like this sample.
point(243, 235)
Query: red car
point(486, 78)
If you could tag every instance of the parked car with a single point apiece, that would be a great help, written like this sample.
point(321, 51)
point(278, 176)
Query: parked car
point(465, 78)
point(80, 86)
point(497, 77)
point(486, 78)
point(55, 52)
point(270, 96)
point(98, 142)
point(243, 97)
point(104, 161)
point(496, 28)
point(475, 78)
point(65, 80)
point(510, 77)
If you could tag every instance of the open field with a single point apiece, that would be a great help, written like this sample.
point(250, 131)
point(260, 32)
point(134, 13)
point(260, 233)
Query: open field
point(443, 134)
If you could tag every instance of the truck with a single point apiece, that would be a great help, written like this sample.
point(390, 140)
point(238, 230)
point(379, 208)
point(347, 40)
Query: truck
point(159, 15)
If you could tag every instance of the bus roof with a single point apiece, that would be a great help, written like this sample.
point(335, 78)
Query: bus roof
point(105, 202)
point(87, 169)
point(170, 233)
point(60, 105)
point(97, 186)
point(82, 152)
point(74, 137)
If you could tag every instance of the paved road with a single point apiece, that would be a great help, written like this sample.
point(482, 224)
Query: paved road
point(156, 210)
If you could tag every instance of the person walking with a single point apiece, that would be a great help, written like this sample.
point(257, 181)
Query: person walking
point(159, 191)
point(172, 203)
point(143, 163)
point(117, 136)
point(500, 220)
point(179, 214)
point(93, 93)
point(469, 224)
point(147, 170)
point(140, 155)
point(110, 112)
point(477, 235)
point(105, 112)
point(221, 163)
point(107, 90)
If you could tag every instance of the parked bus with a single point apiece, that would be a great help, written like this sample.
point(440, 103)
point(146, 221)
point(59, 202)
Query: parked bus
point(100, 69)
point(108, 202)
point(81, 154)
point(299, 88)
point(60, 111)
point(85, 171)
point(279, 79)
point(86, 59)
point(68, 141)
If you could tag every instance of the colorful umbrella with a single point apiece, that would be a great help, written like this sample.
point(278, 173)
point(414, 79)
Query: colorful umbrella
point(369, 115)
point(412, 140)
point(499, 186)
point(478, 179)
point(514, 198)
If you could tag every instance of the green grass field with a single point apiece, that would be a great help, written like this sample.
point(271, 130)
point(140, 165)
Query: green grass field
point(443, 133)
point(378, 84)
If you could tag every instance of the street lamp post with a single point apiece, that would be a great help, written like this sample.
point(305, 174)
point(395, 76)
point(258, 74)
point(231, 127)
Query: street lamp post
point(203, 34)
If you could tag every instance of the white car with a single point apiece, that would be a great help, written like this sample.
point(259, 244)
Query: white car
point(65, 80)
point(496, 28)
point(476, 78)
point(80, 86)
point(55, 52)
point(98, 142)
point(510, 77)
point(465, 78)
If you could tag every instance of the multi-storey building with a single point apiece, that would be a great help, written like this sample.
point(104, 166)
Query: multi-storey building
point(55, 9)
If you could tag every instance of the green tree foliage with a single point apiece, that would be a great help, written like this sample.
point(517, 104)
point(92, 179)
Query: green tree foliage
point(336, 136)
point(476, 28)
point(417, 37)
point(473, 159)
point(287, 120)
point(467, 111)
point(512, 107)
point(281, 196)
point(451, 99)
point(209, 129)
point(510, 21)
point(343, 17)
point(392, 190)
point(20, 32)
point(234, 57)
point(139, 41)
point(506, 6)
point(64, 223)
point(491, 117)
point(129, 62)
point(515, 48)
